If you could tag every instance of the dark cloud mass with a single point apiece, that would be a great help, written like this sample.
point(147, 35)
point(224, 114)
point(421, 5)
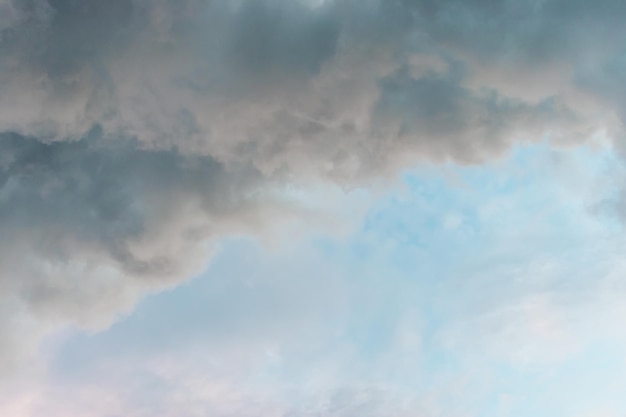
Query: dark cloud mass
point(106, 194)
point(134, 131)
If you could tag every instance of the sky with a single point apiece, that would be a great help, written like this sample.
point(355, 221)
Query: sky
point(312, 208)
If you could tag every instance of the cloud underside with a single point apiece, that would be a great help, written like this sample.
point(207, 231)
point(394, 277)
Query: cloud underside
point(132, 132)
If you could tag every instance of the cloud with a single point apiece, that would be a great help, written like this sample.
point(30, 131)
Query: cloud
point(133, 132)
point(282, 81)
point(89, 225)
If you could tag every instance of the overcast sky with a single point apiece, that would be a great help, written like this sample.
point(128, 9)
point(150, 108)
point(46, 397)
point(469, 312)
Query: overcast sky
point(311, 208)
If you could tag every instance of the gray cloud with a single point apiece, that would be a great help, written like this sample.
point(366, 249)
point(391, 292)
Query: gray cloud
point(134, 131)
point(88, 225)
point(108, 193)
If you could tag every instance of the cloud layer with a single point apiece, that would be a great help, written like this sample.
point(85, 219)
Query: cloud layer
point(134, 131)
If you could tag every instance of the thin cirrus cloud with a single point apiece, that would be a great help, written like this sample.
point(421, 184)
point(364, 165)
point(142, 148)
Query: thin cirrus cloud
point(134, 132)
